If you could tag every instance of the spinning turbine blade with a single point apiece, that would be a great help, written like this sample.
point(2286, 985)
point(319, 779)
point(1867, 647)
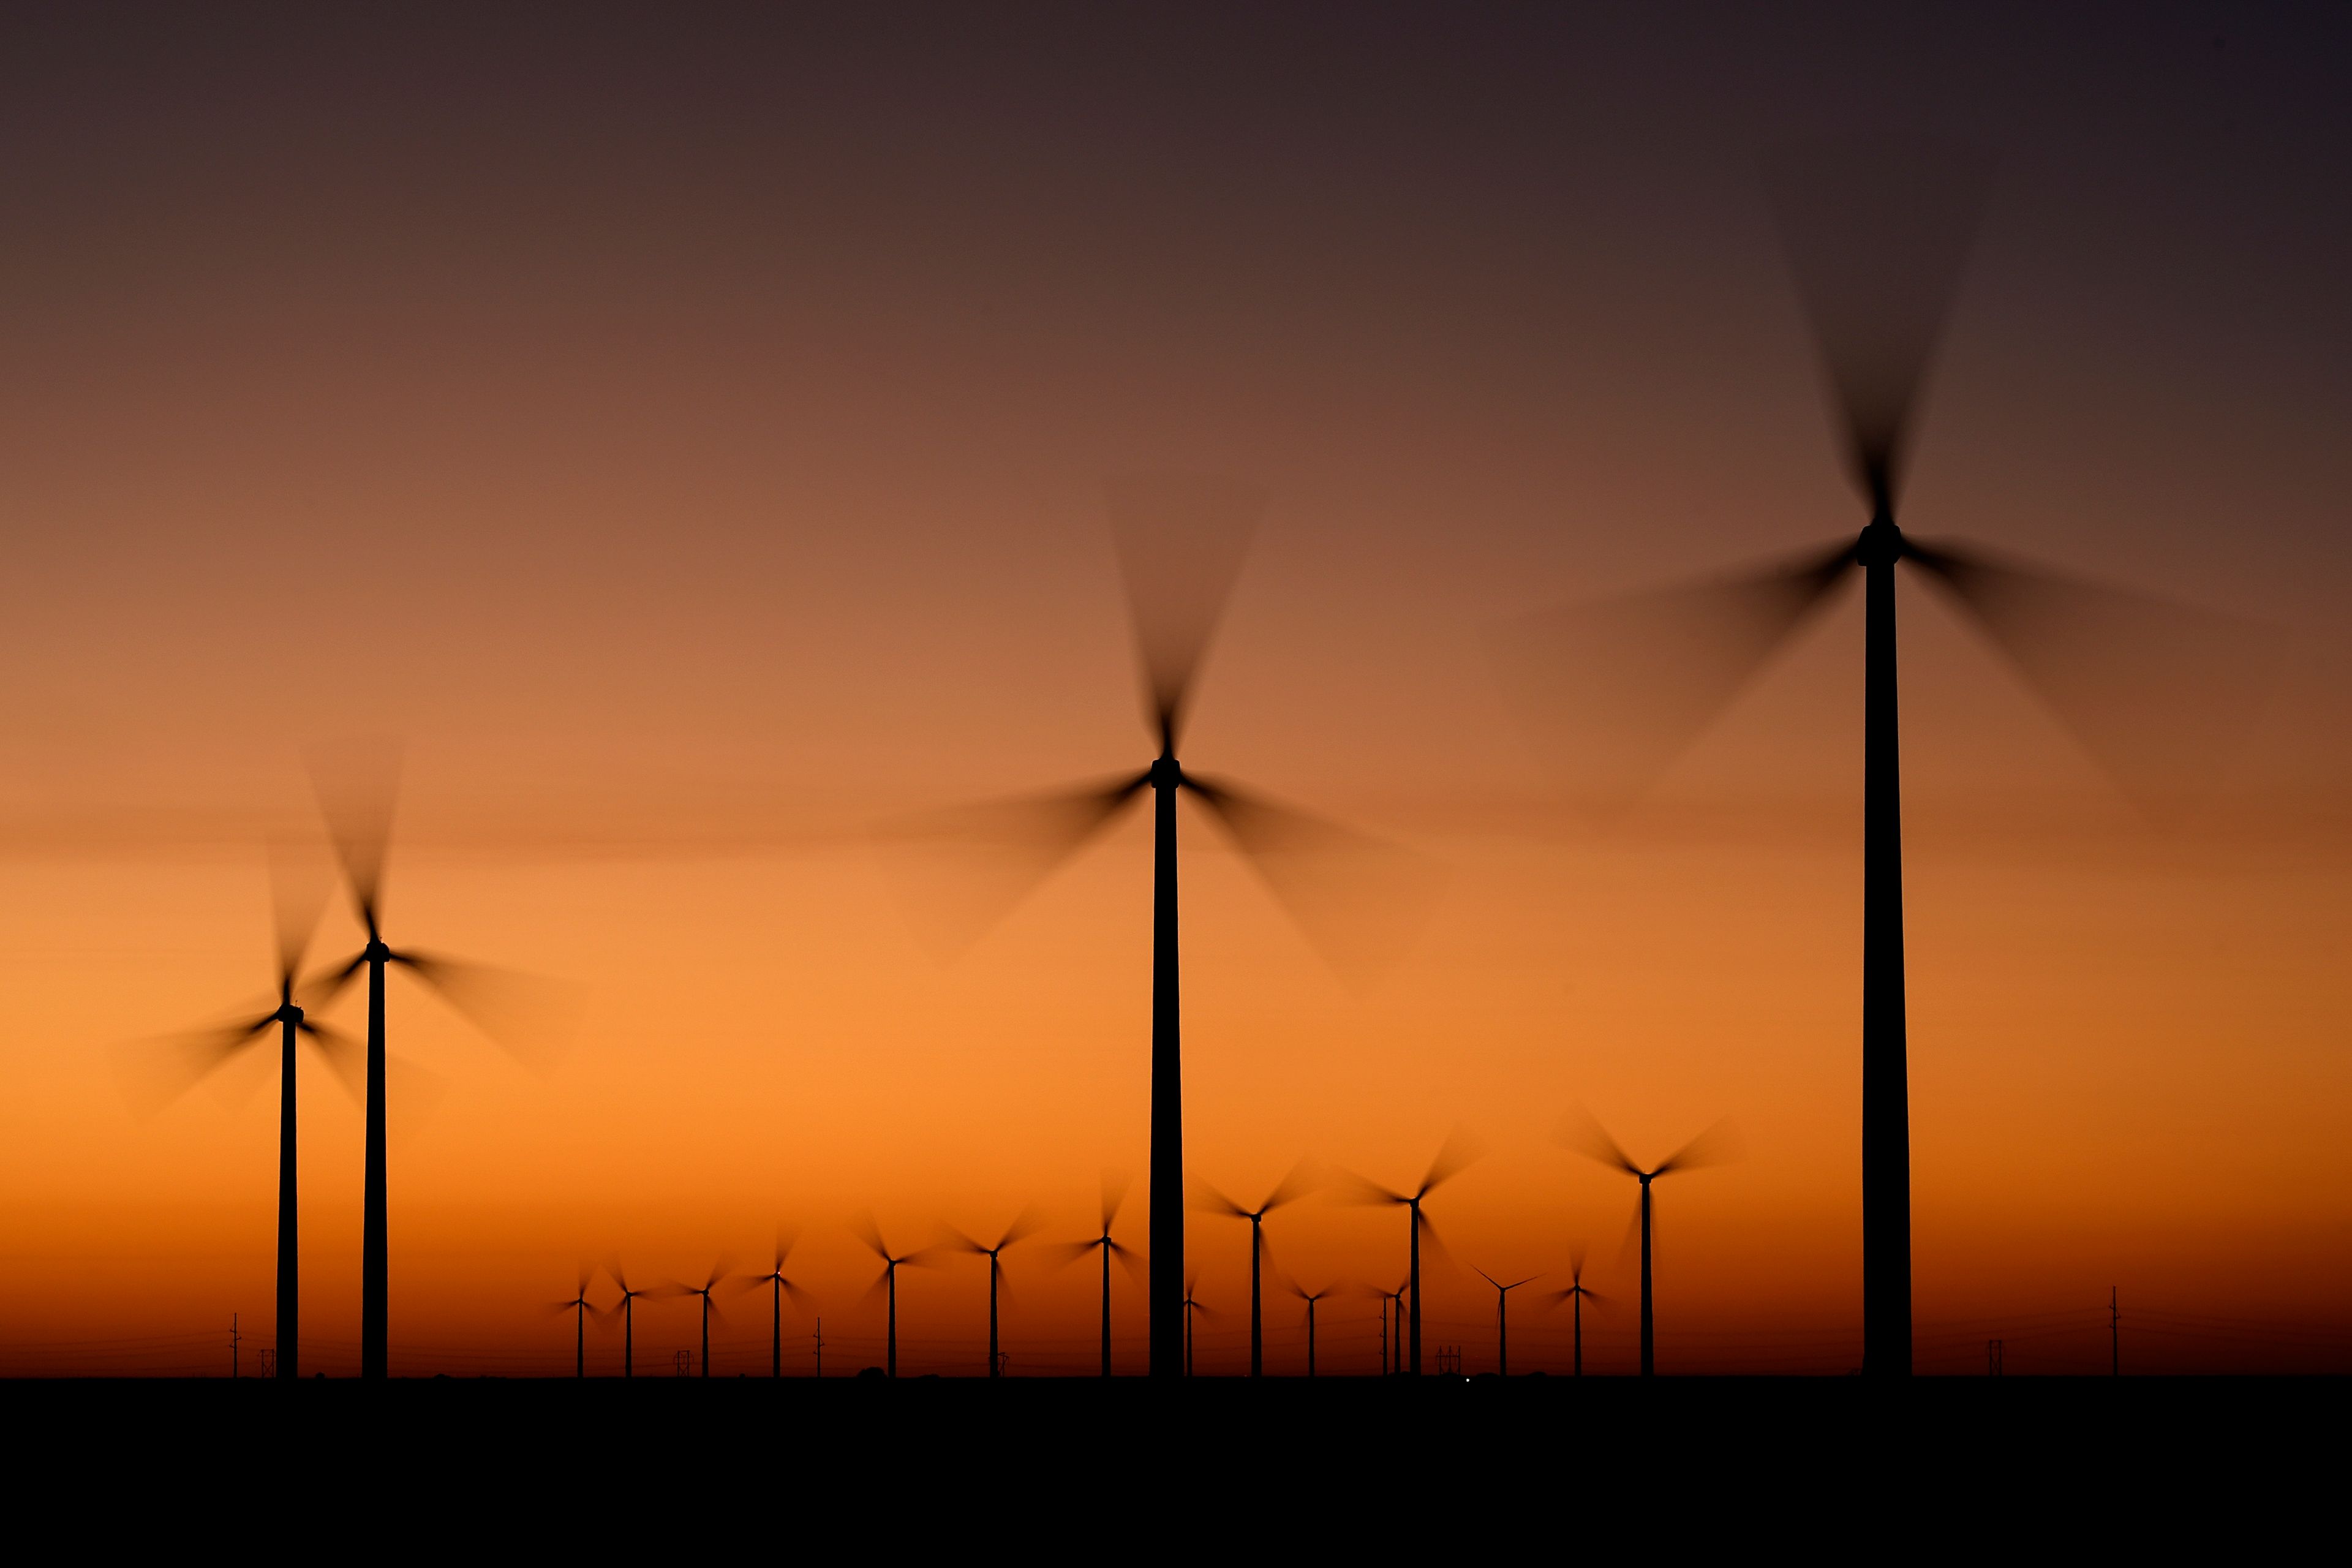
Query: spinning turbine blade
point(1205, 1196)
point(300, 879)
point(1578, 1130)
point(1302, 1179)
point(155, 1073)
point(1114, 1193)
point(1717, 1145)
point(1876, 234)
point(1458, 1152)
point(1612, 692)
point(1181, 540)
point(2161, 695)
point(526, 1015)
point(1360, 901)
point(358, 784)
point(1005, 849)
point(345, 1056)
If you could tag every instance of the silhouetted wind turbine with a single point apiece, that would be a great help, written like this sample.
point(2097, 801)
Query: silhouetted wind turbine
point(1387, 1354)
point(357, 801)
point(2156, 692)
point(1182, 542)
point(1114, 1192)
point(579, 1308)
point(1310, 1298)
point(1191, 1304)
point(1587, 1138)
point(1502, 1318)
point(1451, 1156)
point(1291, 1188)
point(780, 1286)
point(1578, 1295)
point(1025, 1224)
point(888, 1281)
point(709, 1306)
point(187, 1059)
point(627, 1307)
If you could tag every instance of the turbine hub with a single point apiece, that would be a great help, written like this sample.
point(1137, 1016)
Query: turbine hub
point(1165, 774)
point(1880, 543)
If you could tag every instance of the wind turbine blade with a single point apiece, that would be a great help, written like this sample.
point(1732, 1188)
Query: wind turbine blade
point(1302, 1179)
point(1432, 1245)
point(531, 1017)
point(1579, 1132)
point(1208, 1199)
point(964, 868)
point(1347, 1188)
point(1114, 1193)
point(1457, 1153)
point(862, 1227)
point(358, 785)
point(1361, 901)
point(787, 1238)
point(2162, 696)
point(301, 877)
point(1877, 233)
point(1612, 692)
point(718, 1271)
point(1065, 1253)
point(1717, 1145)
point(345, 1056)
point(321, 990)
point(1137, 1267)
point(155, 1073)
point(1025, 1224)
point(797, 1295)
point(959, 1242)
point(1181, 540)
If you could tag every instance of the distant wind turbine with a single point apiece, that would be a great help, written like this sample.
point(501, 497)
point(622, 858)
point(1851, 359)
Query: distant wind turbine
point(1457, 1152)
point(1024, 1226)
point(1114, 1192)
point(579, 1307)
point(1577, 1294)
point(1291, 1188)
point(780, 1287)
point(1587, 1138)
point(1502, 1318)
point(1193, 1305)
point(2160, 695)
point(709, 1306)
point(1181, 542)
point(1310, 1298)
point(888, 1281)
point(627, 1307)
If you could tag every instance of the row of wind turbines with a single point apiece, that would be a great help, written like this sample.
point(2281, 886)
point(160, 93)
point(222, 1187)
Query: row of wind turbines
point(1401, 1354)
point(1612, 692)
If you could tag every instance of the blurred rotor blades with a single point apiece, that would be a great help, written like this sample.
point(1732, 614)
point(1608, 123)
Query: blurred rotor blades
point(862, 1227)
point(1459, 1152)
point(1877, 233)
point(301, 877)
point(1181, 540)
point(1612, 692)
point(2162, 696)
point(1114, 1193)
point(529, 1016)
point(1302, 1179)
point(1348, 1187)
point(1580, 1131)
point(358, 785)
point(1006, 849)
point(155, 1073)
point(1717, 1145)
point(345, 1056)
point(1360, 901)
point(1210, 1199)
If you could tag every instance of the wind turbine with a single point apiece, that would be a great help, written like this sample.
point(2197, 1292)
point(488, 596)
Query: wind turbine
point(709, 1306)
point(1455, 1152)
point(1578, 1295)
point(1181, 542)
point(184, 1060)
point(356, 796)
point(579, 1308)
point(1502, 1318)
point(1291, 1188)
point(1191, 1304)
point(626, 1306)
point(2157, 693)
point(1587, 1138)
point(1310, 1298)
point(1114, 1192)
point(775, 1278)
point(1025, 1224)
point(888, 1281)
point(1387, 1297)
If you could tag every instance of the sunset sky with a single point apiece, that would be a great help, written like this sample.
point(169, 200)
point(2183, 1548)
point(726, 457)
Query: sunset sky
point(685, 431)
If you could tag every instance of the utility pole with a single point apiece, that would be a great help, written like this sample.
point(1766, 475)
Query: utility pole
point(819, 1337)
point(231, 1347)
point(2114, 1336)
point(1992, 1358)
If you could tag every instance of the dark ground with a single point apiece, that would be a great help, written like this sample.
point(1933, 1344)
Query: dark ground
point(2032, 1466)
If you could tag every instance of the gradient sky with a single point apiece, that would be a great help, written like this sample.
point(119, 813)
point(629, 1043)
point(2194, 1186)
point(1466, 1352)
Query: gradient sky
point(687, 432)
